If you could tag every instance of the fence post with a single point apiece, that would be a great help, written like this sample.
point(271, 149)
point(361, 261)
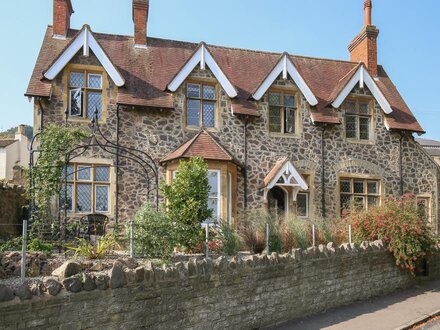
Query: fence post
point(207, 241)
point(313, 235)
point(267, 239)
point(23, 251)
point(132, 239)
point(349, 234)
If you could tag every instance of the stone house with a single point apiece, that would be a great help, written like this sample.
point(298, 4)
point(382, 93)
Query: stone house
point(299, 135)
point(432, 147)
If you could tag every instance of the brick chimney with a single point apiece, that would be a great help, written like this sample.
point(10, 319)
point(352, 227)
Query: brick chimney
point(62, 10)
point(363, 48)
point(140, 17)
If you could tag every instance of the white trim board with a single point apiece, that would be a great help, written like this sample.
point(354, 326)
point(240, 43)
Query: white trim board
point(285, 67)
point(203, 57)
point(86, 41)
point(363, 78)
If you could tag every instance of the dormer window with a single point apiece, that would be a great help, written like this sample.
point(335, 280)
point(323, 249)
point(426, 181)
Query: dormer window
point(201, 104)
point(358, 120)
point(282, 113)
point(85, 93)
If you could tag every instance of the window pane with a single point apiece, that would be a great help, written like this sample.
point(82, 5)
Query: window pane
point(101, 197)
point(70, 171)
point(358, 187)
point(372, 187)
point(289, 101)
point(345, 186)
point(94, 102)
point(102, 173)
point(208, 114)
point(350, 126)
point(69, 195)
point(193, 90)
point(213, 205)
point(84, 173)
point(290, 121)
point(350, 106)
point(76, 102)
point(373, 201)
point(213, 183)
point(364, 128)
point(359, 202)
point(193, 113)
point(95, 80)
point(364, 108)
point(84, 197)
point(76, 79)
point(345, 202)
point(274, 99)
point(275, 119)
point(209, 92)
point(302, 205)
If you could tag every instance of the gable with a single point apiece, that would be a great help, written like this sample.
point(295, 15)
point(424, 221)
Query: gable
point(203, 57)
point(363, 78)
point(85, 41)
point(286, 69)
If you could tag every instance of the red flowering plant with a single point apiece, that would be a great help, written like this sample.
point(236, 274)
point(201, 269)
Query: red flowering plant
point(399, 224)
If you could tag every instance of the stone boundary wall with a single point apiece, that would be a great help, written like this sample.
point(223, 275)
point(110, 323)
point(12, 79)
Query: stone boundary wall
point(11, 210)
point(239, 292)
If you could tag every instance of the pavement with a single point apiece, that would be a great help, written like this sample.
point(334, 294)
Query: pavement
point(398, 310)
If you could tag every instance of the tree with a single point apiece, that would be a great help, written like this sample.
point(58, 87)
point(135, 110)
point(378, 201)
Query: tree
point(187, 200)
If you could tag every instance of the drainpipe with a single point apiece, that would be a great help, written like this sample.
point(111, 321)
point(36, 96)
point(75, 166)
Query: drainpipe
point(323, 171)
point(41, 114)
point(401, 162)
point(117, 166)
point(245, 162)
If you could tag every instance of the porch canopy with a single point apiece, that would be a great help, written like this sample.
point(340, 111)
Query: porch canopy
point(285, 176)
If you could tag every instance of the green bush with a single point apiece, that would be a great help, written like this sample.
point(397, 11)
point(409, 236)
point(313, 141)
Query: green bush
point(400, 225)
point(98, 250)
point(13, 244)
point(155, 236)
point(187, 201)
point(40, 246)
point(230, 239)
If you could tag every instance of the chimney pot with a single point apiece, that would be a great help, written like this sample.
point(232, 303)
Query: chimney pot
point(140, 17)
point(62, 10)
point(368, 6)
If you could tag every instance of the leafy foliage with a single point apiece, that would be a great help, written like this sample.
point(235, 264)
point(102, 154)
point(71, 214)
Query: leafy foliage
point(399, 223)
point(187, 199)
point(56, 141)
point(38, 245)
point(230, 239)
point(154, 234)
point(98, 250)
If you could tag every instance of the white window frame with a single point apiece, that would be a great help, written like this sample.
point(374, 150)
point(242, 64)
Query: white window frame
point(70, 102)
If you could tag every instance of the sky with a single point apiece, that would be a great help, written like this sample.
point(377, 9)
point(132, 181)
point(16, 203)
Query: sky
point(408, 44)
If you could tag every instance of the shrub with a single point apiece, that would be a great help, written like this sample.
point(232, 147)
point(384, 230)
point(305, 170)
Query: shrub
point(97, 250)
point(230, 239)
point(155, 236)
point(13, 244)
point(40, 246)
point(400, 225)
point(295, 234)
point(187, 200)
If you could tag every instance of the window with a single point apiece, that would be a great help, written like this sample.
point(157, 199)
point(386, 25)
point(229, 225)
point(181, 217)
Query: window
point(88, 188)
point(200, 105)
point(214, 192)
point(358, 193)
point(424, 207)
point(85, 94)
point(302, 200)
point(282, 113)
point(357, 120)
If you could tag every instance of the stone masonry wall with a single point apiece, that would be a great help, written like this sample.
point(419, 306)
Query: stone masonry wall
point(11, 210)
point(240, 292)
point(160, 131)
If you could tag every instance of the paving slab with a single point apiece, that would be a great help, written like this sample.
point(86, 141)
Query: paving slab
point(394, 311)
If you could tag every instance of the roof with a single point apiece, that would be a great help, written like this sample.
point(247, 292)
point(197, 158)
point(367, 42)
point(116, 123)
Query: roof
point(6, 142)
point(147, 73)
point(432, 147)
point(284, 174)
point(203, 145)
